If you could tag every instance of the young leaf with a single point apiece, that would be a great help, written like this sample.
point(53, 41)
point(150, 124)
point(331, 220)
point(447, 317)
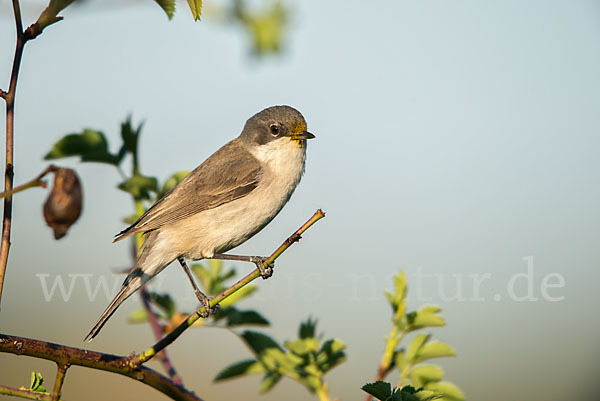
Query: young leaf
point(90, 145)
point(130, 136)
point(302, 346)
point(449, 390)
point(168, 7)
point(415, 346)
point(331, 354)
point(165, 302)
point(380, 390)
point(239, 295)
point(307, 328)
point(434, 349)
point(139, 186)
point(269, 381)
point(36, 383)
point(138, 316)
point(237, 318)
point(424, 374)
point(195, 8)
point(425, 317)
point(241, 368)
point(259, 342)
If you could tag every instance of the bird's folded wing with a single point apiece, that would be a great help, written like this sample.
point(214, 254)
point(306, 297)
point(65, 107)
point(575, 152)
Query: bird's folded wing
point(231, 173)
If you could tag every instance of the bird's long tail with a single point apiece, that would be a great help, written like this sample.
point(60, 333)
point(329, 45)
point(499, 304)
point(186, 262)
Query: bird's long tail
point(132, 283)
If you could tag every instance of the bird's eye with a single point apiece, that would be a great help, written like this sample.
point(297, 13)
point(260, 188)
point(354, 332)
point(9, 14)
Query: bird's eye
point(274, 129)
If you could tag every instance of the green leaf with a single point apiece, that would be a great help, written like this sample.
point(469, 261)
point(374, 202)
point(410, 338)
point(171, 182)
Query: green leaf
point(241, 368)
point(259, 342)
point(380, 390)
point(138, 316)
point(90, 145)
point(302, 346)
point(236, 317)
point(269, 381)
point(139, 186)
point(50, 14)
point(164, 302)
point(239, 295)
point(36, 383)
point(427, 395)
point(195, 8)
point(307, 328)
point(425, 317)
point(415, 346)
point(130, 136)
point(168, 7)
point(331, 354)
point(449, 390)
point(434, 349)
point(172, 182)
point(424, 374)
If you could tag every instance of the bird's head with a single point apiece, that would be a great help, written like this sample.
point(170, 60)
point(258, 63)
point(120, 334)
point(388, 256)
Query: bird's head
point(276, 123)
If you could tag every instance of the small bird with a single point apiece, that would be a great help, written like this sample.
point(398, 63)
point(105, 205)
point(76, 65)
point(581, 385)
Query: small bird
point(221, 204)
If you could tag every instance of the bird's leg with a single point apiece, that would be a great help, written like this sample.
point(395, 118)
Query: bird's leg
point(266, 270)
point(199, 294)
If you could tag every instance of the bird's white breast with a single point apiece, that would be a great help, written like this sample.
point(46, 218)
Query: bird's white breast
point(227, 226)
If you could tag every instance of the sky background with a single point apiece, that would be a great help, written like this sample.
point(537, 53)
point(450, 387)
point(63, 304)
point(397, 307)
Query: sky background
point(457, 139)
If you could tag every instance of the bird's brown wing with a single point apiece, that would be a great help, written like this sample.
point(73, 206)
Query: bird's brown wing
point(230, 173)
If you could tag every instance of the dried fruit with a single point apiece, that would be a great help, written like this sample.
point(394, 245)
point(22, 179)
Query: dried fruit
point(63, 206)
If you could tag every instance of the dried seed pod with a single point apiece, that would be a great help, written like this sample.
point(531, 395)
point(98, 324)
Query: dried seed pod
point(63, 206)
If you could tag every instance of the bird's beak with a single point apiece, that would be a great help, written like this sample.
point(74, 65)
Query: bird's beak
point(302, 135)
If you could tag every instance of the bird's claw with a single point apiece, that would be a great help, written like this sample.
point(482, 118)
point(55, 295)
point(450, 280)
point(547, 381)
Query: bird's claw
point(266, 270)
point(207, 308)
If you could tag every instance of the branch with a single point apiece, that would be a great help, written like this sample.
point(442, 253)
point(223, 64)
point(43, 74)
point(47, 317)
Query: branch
point(61, 371)
point(3, 94)
point(31, 395)
point(158, 332)
point(10, 114)
point(36, 182)
point(64, 355)
point(192, 318)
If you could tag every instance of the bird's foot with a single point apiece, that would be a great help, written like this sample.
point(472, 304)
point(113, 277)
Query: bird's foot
point(266, 270)
point(205, 301)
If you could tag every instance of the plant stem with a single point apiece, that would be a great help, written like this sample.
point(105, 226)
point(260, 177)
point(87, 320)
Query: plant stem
point(64, 355)
point(9, 97)
point(61, 371)
point(322, 392)
point(158, 333)
point(192, 318)
point(36, 182)
point(31, 395)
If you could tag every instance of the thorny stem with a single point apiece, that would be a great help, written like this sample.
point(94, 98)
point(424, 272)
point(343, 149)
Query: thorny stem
point(192, 318)
point(64, 355)
point(36, 182)
point(30, 395)
point(158, 333)
point(9, 97)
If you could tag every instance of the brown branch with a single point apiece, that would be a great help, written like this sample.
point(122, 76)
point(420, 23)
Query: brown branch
point(64, 355)
point(144, 357)
point(31, 395)
point(9, 170)
point(3, 94)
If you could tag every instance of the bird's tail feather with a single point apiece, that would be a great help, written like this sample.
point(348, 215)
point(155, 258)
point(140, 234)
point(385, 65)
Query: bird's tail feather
point(131, 284)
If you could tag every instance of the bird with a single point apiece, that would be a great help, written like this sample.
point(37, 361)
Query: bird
point(221, 204)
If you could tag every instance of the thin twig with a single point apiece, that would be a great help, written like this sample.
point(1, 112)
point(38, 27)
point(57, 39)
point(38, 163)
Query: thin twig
point(62, 354)
point(30, 395)
point(61, 371)
point(3, 94)
point(36, 182)
point(9, 167)
point(158, 333)
point(192, 318)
